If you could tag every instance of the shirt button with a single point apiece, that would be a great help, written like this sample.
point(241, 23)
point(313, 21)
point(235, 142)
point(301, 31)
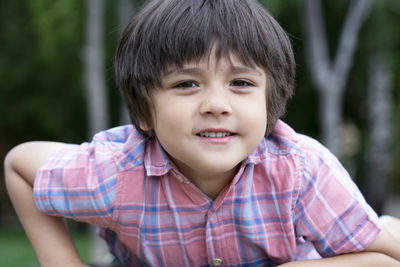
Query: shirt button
point(217, 262)
point(180, 178)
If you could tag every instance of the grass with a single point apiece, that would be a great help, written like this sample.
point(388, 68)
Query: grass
point(16, 251)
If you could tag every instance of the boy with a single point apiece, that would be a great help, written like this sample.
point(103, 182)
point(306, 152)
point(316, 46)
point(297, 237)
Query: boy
point(208, 175)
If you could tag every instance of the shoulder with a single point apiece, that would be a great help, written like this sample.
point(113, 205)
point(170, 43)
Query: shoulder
point(107, 148)
point(312, 157)
point(125, 136)
point(86, 176)
point(123, 143)
point(285, 140)
point(296, 157)
point(119, 134)
point(280, 157)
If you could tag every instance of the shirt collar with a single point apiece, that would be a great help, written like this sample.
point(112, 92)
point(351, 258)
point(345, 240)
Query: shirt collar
point(137, 150)
point(156, 161)
point(283, 140)
point(258, 154)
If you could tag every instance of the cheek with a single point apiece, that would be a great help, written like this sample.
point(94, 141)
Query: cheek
point(258, 121)
point(261, 120)
point(172, 122)
point(253, 124)
point(169, 117)
point(256, 111)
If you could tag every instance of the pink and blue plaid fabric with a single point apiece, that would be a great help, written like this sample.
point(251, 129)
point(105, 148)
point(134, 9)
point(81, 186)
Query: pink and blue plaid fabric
point(290, 199)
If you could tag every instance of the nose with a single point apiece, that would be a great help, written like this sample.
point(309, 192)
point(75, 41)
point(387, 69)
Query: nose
point(215, 102)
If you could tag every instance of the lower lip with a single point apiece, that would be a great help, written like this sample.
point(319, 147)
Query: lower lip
point(218, 140)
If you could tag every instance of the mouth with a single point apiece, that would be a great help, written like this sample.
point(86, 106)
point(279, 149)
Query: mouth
point(215, 133)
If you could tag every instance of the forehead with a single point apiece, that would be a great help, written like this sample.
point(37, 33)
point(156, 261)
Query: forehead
point(215, 59)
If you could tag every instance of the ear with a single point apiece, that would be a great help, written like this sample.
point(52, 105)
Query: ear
point(145, 127)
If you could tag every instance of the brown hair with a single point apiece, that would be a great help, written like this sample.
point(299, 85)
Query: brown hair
point(174, 32)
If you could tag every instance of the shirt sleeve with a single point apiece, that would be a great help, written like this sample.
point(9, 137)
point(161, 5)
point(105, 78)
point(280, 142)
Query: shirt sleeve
point(78, 182)
point(330, 211)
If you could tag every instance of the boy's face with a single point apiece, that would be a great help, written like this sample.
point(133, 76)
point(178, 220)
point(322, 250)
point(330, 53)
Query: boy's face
point(210, 115)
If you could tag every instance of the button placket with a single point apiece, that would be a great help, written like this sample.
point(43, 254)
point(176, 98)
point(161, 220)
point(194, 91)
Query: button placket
point(212, 218)
point(216, 214)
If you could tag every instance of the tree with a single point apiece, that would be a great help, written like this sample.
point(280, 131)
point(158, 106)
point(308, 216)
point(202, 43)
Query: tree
point(97, 106)
point(378, 155)
point(330, 77)
point(94, 68)
point(380, 142)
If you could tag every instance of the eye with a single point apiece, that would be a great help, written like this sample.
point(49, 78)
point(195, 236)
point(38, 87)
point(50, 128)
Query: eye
point(185, 84)
point(241, 83)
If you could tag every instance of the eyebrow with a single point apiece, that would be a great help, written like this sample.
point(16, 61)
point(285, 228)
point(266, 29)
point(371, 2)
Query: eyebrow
point(193, 70)
point(196, 70)
point(243, 69)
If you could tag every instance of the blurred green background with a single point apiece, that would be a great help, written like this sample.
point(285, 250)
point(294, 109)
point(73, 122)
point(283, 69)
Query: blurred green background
point(43, 70)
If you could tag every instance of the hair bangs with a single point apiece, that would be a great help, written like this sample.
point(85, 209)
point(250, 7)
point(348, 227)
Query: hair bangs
point(210, 25)
point(187, 30)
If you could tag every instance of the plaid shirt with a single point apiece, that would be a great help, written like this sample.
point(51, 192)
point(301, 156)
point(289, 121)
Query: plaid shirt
point(290, 199)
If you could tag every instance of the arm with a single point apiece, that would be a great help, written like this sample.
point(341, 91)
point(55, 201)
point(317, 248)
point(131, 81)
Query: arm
point(48, 235)
point(392, 224)
point(387, 241)
point(362, 259)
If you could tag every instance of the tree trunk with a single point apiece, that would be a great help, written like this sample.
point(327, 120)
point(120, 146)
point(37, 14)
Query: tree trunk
point(331, 116)
point(378, 144)
point(330, 77)
point(97, 108)
point(94, 66)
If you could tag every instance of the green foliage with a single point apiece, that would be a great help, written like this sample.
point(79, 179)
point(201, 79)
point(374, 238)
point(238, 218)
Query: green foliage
point(15, 249)
point(57, 25)
point(41, 66)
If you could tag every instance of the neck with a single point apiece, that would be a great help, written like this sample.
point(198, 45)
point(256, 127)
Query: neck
point(213, 184)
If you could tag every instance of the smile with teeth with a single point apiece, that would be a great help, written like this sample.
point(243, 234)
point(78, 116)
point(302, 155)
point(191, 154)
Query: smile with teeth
point(215, 134)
